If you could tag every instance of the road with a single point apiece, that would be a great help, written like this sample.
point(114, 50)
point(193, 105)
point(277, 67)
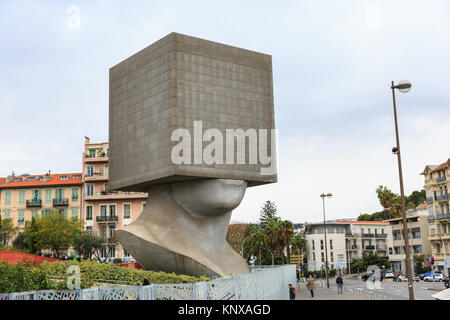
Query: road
point(388, 289)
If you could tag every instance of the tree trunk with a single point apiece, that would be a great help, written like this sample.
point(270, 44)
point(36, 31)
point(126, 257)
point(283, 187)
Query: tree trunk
point(260, 256)
point(273, 262)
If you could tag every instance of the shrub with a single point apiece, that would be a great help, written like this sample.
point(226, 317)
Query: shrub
point(53, 275)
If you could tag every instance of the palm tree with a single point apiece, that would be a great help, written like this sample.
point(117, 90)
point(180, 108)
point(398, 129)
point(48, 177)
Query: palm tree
point(256, 240)
point(286, 232)
point(271, 235)
point(298, 244)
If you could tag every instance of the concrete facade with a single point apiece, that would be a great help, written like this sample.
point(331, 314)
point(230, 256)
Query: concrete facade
point(169, 85)
point(346, 241)
point(104, 211)
point(418, 230)
point(438, 200)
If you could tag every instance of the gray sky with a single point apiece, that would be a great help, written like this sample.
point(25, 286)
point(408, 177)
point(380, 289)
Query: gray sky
point(332, 61)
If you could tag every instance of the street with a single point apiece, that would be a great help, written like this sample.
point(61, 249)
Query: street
point(358, 290)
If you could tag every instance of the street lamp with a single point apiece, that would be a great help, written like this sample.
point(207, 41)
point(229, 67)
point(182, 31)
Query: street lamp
point(403, 86)
point(323, 195)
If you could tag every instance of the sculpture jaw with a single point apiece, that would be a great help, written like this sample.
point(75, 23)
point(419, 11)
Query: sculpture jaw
point(183, 229)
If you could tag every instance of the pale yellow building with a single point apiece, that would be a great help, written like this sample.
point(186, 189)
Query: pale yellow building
point(438, 200)
point(25, 196)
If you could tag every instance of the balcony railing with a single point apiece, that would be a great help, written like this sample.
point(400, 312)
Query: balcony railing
point(61, 202)
point(381, 236)
point(380, 247)
point(369, 247)
point(367, 235)
point(430, 217)
point(441, 179)
point(442, 216)
point(442, 197)
point(429, 200)
point(34, 203)
point(114, 218)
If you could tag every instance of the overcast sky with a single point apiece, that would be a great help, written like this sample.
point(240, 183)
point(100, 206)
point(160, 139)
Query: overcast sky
point(333, 62)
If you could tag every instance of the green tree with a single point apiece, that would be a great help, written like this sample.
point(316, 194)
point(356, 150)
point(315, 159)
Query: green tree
point(298, 244)
point(271, 235)
point(391, 202)
point(55, 231)
point(256, 241)
point(8, 230)
point(268, 211)
point(285, 235)
point(86, 244)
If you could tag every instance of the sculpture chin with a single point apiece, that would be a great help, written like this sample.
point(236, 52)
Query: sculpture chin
point(183, 228)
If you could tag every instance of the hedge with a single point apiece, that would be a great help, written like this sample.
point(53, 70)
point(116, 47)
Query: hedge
point(53, 275)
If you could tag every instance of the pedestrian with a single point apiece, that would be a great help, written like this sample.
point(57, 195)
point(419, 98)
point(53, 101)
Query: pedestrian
point(291, 292)
point(339, 283)
point(146, 282)
point(310, 285)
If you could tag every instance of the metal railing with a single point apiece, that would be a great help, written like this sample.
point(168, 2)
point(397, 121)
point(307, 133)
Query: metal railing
point(34, 203)
point(61, 202)
point(382, 236)
point(367, 235)
point(114, 218)
point(260, 284)
point(441, 179)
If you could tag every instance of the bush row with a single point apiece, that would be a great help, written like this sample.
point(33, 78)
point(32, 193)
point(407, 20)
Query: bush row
point(54, 275)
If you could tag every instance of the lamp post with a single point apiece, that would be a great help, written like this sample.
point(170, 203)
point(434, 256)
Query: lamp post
point(323, 195)
point(403, 86)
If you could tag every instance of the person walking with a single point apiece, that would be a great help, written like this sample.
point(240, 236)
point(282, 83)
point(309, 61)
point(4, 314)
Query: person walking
point(339, 283)
point(310, 285)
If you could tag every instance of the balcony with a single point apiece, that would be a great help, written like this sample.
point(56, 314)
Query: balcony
point(116, 196)
point(430, 217)
point(381, 236)
point(354, 247)
point(60, 202)
point(441, 179)
point(429, 200)
point(369, 248)
point(34, 203)
point(100, 157)
point(381, 248)
point(367, 235)
point(106, 219)
point(442, 216)
point(97, 176)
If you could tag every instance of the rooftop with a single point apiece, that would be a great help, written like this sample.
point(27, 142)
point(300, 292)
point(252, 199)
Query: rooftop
point(40, 180)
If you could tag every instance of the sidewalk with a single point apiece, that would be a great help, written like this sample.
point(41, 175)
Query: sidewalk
point(327, 294)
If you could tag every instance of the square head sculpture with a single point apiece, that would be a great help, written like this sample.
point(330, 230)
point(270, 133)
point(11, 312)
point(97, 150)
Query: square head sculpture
point(185, 108)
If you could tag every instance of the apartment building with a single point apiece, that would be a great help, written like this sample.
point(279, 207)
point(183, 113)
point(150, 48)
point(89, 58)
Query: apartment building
point(418, 230)
point(438, 200)
point(346, 241)
point(25, 196)
point(103, 210)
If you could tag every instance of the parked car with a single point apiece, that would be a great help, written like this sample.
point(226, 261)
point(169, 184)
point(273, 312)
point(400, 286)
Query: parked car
point(423, 275)
point(434, 277)
point(401, 278)
point(416, 278)
point(389, 274)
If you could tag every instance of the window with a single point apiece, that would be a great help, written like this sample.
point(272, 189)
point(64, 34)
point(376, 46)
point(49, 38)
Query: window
point(126, 211)
point(90, 171)
point(21, 197)
point(75, 212)
point(36, 195)
point(106, 170)
point(90, 190)
point(126, 254)
point(59, 194)
point(314, 256)
point(331, 257)
point(103, 211)
point(112, 230)
point(21, 217)
point(48, 195)
point(89, 230)
point(143, 206)
point(103, 252)
point(45, 212)
point(323, 257)
point(112, 252)
point(321, 244)
point(7, 197)
point(313, 245)
point(112, 210)
point(6, 215)
point(88, 212)
point(331, 244)
point(75, 194)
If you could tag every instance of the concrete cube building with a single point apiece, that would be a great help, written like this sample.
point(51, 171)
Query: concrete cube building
point(178, 82)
